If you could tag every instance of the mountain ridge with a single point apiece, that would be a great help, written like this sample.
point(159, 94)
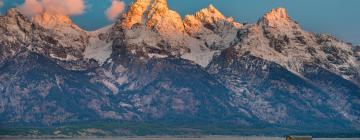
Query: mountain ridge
point(153, 66)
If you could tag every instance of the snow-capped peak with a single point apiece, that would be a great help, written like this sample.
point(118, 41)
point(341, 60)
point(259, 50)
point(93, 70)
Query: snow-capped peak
point(206, 17)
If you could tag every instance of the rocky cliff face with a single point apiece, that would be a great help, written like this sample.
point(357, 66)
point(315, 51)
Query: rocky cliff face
point(152, 65)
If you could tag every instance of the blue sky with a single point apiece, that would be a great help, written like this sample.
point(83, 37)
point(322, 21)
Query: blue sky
point(337, 17)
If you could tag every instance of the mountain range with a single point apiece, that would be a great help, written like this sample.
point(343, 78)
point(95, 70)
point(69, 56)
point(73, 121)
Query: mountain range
point(152, 65)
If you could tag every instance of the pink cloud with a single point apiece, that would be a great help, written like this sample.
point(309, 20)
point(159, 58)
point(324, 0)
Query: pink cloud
point(31, 7)
point(116, 8)
point(61, 7)
point(1, 3)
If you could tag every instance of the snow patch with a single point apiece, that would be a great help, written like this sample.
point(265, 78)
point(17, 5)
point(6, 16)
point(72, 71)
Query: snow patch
point(99, 48)
point(154, 55)
point(198, 52)
point(68, 57)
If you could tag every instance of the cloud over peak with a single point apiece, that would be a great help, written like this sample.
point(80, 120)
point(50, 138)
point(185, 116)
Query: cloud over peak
point(58, 7)
point(116, 8)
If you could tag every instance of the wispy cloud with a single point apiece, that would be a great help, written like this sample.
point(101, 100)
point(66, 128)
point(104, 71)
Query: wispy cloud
point(116, 8)
point(61, 7)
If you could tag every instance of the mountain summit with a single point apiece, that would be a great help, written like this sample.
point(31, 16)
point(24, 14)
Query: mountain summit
point(152, 66)
point(50, 21)
point(155, 15)
point(278, 15)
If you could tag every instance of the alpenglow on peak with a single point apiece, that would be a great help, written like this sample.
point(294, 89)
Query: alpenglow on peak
point(276, 17)
point(154, 14)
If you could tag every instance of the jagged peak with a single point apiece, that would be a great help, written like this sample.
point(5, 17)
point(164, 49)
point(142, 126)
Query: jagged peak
point(206, 16)
point(275, 17)
point(277, 14)
point(210, 14)
point(44, 19)
point(142, 11)
point(159, 5)
point(135, 14)
point(159, 9)
point(155, 14)
point(49, 20)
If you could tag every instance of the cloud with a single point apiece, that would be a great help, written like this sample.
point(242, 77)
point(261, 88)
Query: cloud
point(31, 7)
point(1, 3)
point(60, 7)
point(116, 8)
